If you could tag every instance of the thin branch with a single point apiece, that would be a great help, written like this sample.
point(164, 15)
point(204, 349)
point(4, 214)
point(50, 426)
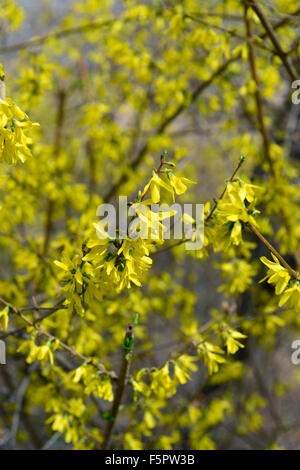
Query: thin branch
point(294, 274)
point(123, 377)
point(64, 346)
point(60, 118)
point(51, 441)
point(57, 35)
point(258, 99)
point(230, 32)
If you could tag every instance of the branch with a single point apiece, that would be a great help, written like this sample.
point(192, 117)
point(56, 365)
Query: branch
point(231, 32)
point(57, 35)
point(123, 376)
point(294, 274)
point(259, 106)
point(22, 388)
point(271, 34)
point(201, 87)
point(64, 346)
point(60, 117)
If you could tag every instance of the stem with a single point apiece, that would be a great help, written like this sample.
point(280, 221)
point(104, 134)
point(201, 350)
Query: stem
point(127, 345)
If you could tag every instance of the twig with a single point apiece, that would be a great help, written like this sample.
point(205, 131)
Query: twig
point(127, 351)
point(64, 346)
point(294, 274)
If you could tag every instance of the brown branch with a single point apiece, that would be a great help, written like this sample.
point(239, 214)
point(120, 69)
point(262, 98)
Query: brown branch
point(123, 377)
point(294, 274)
point(271, 34)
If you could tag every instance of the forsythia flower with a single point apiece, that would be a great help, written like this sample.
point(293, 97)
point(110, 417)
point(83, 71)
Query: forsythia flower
point(13, 140)
point(4, 318)
point(212, 356)
point(292, 296)
point(276, 275)
point(155, 184)
point(231, 342)
point(179, 183)
point(183, 366)
point(162, 384)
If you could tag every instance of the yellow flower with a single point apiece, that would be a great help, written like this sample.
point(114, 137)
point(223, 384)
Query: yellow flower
point(162, 384)
point(179, 183)
point(292, 296)
point(212, 356)
point(13, 139)
point(276, 275)
point(183, 366)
